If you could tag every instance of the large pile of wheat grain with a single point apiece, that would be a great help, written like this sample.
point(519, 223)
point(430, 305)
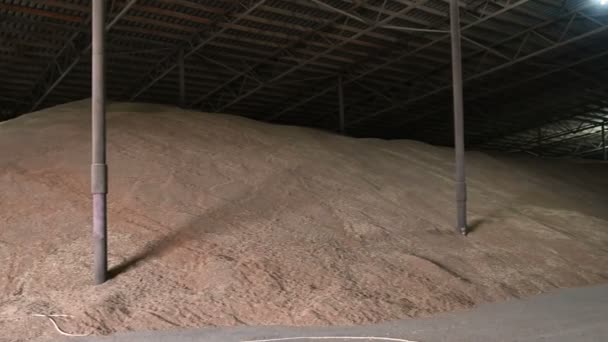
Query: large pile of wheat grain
point(220, 220)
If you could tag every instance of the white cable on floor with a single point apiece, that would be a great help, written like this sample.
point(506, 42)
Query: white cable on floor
point(50, 317)
point(391, 339)
point(332, 338)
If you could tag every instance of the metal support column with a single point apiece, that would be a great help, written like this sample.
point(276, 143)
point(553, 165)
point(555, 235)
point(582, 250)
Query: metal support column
point(461, 186)
point(182, 79)
point(341, 104)
point(604, 151)
point(99, 186)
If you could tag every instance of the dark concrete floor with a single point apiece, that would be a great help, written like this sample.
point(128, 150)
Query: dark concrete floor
point(572, 315)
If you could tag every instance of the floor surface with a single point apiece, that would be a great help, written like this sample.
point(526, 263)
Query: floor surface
point(579, 315)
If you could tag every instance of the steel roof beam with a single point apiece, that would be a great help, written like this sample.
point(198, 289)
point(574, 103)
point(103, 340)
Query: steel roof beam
point(571, 109)
point(370, 22)
point(485, 140)
point(6, 19)
point(488, 49)
point(562, 148)
point(525, 34)
point(196, 43)
point(597, 117)
point(588, 138)
point(561, 137)
point(481, 94)
point(41, 13)
point(601, 148)
point(299, 65)
point(515, 140)
point(556, 104)
point(68, 57)
point(393, 60)
point(484, 73)
point(285, 51)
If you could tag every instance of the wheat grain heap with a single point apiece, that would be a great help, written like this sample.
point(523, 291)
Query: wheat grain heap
point(217, 220)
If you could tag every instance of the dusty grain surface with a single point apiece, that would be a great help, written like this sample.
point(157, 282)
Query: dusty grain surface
point(218, 220)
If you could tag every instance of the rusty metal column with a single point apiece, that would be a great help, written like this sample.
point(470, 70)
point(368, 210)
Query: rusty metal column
point(99, 186)
point(461, 186)
point(341, 104)
point(182, 79)
point(604, 151)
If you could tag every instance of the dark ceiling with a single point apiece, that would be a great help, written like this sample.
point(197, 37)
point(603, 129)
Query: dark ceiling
point(534, 70)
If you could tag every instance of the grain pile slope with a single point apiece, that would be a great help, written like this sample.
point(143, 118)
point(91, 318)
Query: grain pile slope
point(219, 220)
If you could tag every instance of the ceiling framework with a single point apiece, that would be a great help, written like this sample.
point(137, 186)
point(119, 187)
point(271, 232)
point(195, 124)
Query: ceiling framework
point(578, 136)
point(526, 64)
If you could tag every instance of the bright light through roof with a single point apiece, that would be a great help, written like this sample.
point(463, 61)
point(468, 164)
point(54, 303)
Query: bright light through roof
point(603, 2)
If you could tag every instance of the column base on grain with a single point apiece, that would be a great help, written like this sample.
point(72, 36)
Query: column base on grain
point(100, 243)
point(461, 207)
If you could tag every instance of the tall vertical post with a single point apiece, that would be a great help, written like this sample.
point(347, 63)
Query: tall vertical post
point(182, 79)
point(99, 186)
point(341, 104)
point(604, 151)
point(461, 186)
